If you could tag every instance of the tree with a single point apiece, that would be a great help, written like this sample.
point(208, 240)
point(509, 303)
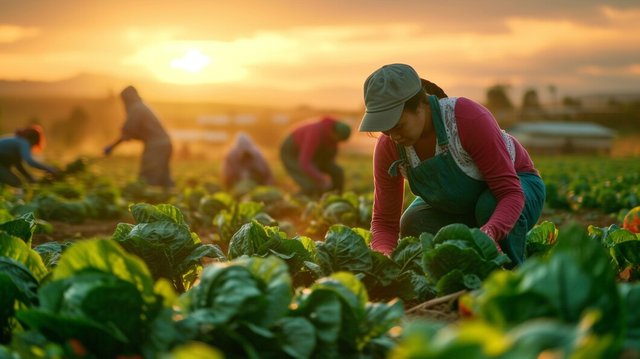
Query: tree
point(498, 99)
point(531, 107)
point(571, 102)
point(499, 104)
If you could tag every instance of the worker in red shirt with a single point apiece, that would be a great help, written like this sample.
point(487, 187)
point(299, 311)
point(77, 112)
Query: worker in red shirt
point(462, 167)
point(309, 155)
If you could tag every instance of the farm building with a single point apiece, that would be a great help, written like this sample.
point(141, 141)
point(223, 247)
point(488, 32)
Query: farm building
point(563, 137)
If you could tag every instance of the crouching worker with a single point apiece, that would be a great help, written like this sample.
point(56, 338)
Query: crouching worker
point(309, 155)
point(16, 150)
point(243, 162)
point(462, 167)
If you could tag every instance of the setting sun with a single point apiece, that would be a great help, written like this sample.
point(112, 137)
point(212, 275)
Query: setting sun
point(193, 61)
point(190, 62)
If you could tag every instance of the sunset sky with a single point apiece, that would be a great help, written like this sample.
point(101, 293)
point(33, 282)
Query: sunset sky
point(319, 48)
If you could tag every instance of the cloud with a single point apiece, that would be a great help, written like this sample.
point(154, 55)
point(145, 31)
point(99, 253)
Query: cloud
point(578, 45)
point(12, 33)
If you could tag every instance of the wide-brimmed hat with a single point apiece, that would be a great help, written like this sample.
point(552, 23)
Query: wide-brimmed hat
point(385, 92)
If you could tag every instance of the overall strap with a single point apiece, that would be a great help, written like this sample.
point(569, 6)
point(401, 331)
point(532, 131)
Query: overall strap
point(394, 168)
point(438, 123)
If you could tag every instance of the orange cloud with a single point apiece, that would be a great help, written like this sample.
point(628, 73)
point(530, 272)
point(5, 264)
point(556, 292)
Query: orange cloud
point(11, 33)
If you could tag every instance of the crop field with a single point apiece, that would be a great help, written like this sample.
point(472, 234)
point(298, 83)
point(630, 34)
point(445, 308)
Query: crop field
point(96, 265)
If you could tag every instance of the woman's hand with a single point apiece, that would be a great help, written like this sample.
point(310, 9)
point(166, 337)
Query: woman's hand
point(489, 232)
point(326, 184)
point(54, 171)
point(107, 150)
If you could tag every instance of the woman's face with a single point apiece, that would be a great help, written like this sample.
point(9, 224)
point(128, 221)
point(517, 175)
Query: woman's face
point(412, 126)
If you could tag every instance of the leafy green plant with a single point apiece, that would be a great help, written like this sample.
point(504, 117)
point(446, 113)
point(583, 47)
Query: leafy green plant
point(575, 278)
point(236, 305)
point(103, 300)
point(21, 271)
point(162, 238)
point(623, 246)
point(257, 240)
point(540, 239)
point(459, 257)
point(481, 340)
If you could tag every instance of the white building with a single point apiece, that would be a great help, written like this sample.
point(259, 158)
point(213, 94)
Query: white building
point(563, 137)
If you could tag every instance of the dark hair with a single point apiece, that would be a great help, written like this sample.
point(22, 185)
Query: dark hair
point(34, 134)
point(433, 89)
point(428, 88)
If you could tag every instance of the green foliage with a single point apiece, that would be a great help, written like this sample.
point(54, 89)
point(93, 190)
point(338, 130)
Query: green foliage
point(623, 246)
point(101, 297)
point(349, 209)
point(162, 238)
point(22, 227)
point(582, 183)
point(459, 258)
point(540, 239)
point(255, 239)
point(481, 340)
point(228, 221)
point(576, 278)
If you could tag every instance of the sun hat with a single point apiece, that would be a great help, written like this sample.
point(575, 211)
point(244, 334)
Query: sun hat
point(385, 92)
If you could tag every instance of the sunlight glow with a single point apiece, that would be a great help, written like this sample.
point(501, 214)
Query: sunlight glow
point(193, 61)
point(10, 33)
point(190, 62)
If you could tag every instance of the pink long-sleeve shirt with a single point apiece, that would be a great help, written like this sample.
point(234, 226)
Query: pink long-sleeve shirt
point(482, 139)
point(311, 138)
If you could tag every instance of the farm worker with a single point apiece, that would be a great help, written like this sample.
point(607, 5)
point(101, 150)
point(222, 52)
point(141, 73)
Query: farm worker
point(462, 167)
point(244, 161)
point(142, 124)
point(309, 154)
point(18, 148)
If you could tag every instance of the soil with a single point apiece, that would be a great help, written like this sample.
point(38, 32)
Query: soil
point(73, 231)
point(92, 227)
point(442, 309)
point(584, 217)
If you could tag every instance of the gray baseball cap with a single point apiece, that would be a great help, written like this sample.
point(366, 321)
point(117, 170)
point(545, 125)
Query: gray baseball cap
point(385, 92)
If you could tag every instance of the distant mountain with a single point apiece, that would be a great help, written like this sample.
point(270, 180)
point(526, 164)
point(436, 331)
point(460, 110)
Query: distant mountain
point(99, 86)
point(82, 85)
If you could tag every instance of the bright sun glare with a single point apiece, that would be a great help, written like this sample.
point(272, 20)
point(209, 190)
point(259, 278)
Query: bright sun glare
point(190, 63)
point(193, 61)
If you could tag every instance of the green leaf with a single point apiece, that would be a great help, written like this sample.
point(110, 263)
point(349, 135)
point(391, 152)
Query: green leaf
point(22, 227)
point(106, 256)
point(323, 308)
point(379, 319)
point(18, 280)
point(51, 252)
point(195, 350)
point(386, 280)
point(15, 248)
point(343, 250)
point(453, 231)
point(296, 336)
point(148, 213)
point(276, 282)
point(225, 292)
point(348, 287)
point(248, 240)
point(408, 254)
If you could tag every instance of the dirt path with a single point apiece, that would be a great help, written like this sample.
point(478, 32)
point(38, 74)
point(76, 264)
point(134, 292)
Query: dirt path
point(69, 232)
